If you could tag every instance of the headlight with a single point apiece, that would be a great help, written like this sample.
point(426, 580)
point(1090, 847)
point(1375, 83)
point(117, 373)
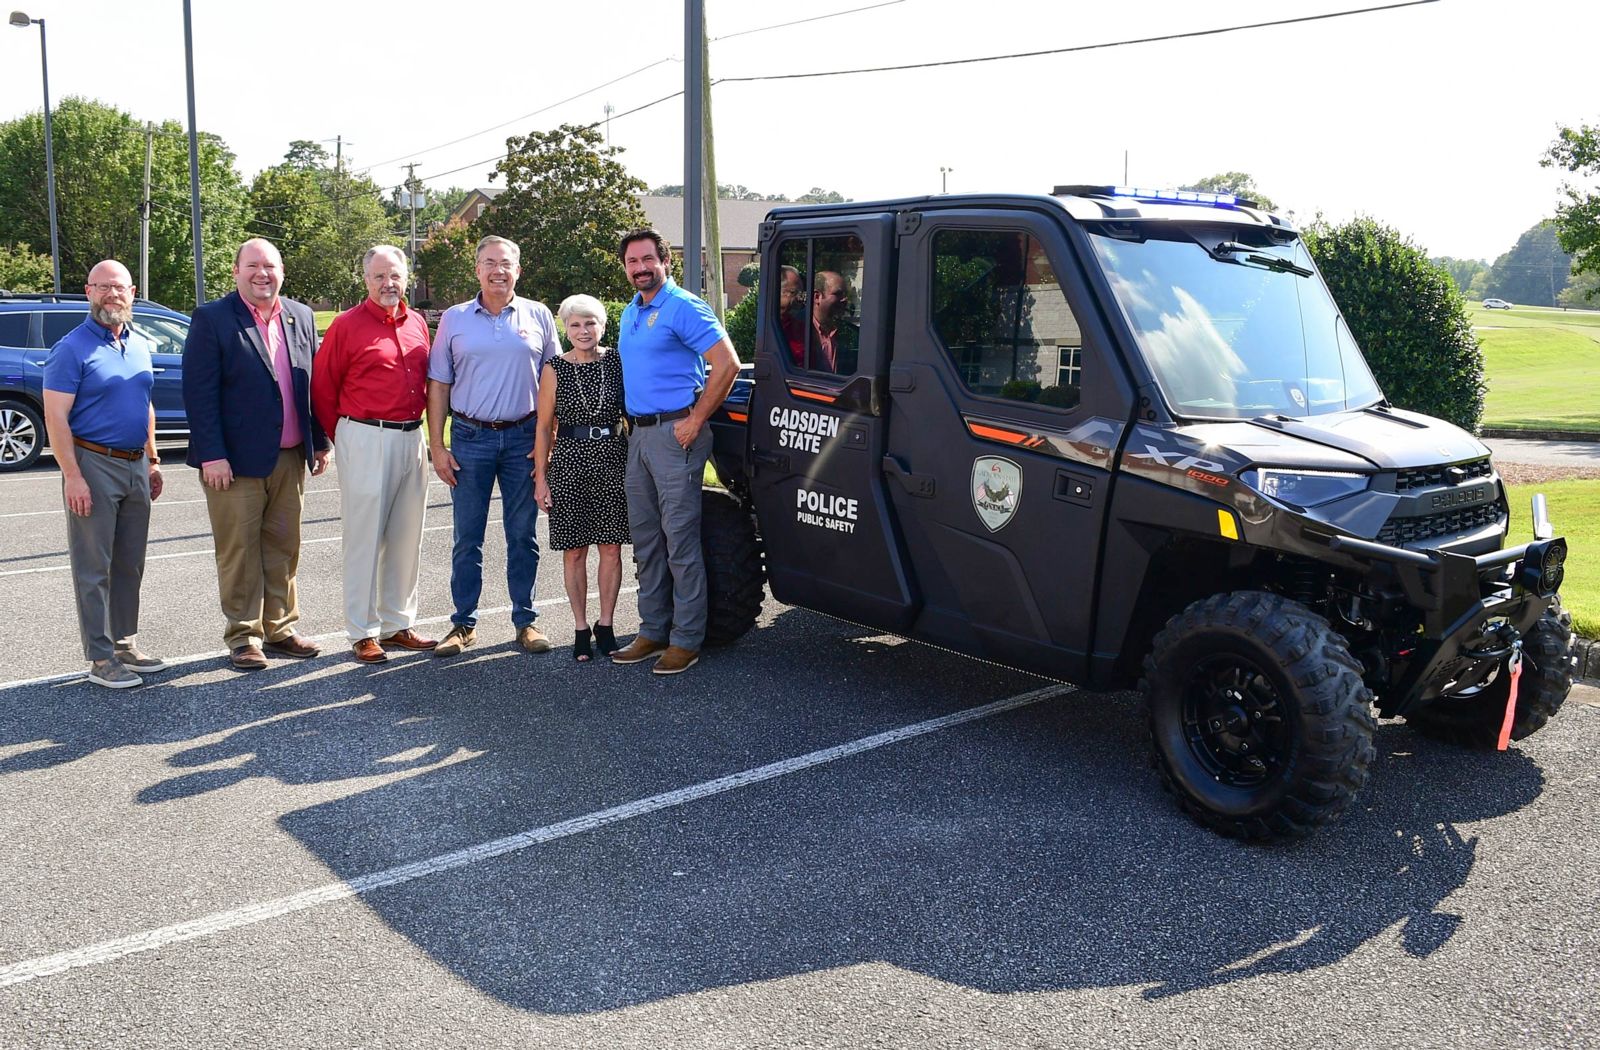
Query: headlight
point(1304, 488)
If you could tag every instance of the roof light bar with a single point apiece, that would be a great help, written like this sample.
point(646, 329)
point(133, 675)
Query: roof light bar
point(1188, 196)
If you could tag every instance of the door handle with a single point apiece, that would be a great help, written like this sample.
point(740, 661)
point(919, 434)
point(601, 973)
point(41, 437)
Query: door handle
point(763, 458)
point(157, 370)
point(919, 485)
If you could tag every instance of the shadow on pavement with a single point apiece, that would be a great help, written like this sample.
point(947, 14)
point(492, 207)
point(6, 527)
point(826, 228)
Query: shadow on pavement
point(1026, 852)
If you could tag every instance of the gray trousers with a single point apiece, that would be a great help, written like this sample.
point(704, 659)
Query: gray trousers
point(107, 551)
point(663, 486)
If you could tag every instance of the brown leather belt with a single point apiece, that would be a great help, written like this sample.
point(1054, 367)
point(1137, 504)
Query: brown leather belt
point(659, 417)
point(129, 454)
point(493, 424)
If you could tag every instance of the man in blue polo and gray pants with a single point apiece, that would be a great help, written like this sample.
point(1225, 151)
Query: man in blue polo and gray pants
point(677, 366)
point(103, 434)
point(483, 371)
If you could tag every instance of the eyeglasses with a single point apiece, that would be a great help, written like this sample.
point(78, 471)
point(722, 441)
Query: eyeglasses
point(108, 287)
point(492, 264)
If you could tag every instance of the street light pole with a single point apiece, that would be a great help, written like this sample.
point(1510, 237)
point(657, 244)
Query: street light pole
point(22, 21)
point(194, 163)
point(944, 179)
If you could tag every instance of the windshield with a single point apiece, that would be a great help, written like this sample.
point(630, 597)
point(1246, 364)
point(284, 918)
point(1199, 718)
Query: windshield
point(1232, 326)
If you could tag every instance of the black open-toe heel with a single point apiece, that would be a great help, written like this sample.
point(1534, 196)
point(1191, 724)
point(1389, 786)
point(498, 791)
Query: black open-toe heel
point(605, 640)
point(580, 646)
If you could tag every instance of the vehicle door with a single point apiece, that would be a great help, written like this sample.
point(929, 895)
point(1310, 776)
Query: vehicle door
point(817, 421)
point(1006, 407)
point(168, 334)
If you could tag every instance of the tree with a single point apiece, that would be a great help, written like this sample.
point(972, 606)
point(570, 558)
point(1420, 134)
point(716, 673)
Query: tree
point(1534, 271)
point(567, 202)
point(1582, 289)
point(1461, 271)
point(725, 191)
point(99, 152)
point(24, 270)
point(1577, 150)
point(446, 263)
point(1235, 182)
point(1407, 316)
point(818, 195)
point(323, 219)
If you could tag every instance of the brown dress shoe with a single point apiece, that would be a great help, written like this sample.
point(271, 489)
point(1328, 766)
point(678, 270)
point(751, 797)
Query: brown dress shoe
point(368, 651)
point(640, 649)
point(294, 645)
point(676, 659)
point(248, 658)
point(532, 639)
point(409, 639)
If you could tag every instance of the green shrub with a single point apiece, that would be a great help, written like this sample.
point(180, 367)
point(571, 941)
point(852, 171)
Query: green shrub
point(741, 326)
point(1408, 317)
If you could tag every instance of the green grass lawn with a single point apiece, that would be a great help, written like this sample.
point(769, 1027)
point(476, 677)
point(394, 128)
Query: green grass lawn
point(324, 319)
point(1543, 367)
point(1575, 512)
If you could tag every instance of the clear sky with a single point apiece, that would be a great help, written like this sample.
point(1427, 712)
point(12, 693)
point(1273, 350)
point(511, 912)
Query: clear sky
point(1431, 118)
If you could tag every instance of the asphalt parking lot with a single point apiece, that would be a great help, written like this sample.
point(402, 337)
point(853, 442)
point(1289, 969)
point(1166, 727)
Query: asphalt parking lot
point(817, 837)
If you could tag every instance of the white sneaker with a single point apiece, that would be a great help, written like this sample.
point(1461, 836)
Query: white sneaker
point(113, 675)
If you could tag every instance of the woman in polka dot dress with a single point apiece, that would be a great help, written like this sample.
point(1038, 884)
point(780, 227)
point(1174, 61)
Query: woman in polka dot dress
point(580, 456)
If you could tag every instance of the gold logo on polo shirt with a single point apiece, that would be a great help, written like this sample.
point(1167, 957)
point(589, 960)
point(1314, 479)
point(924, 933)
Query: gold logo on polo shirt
point(651, 323)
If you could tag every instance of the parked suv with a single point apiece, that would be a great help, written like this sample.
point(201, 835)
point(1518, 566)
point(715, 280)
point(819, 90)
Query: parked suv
point(30, 324)
point(1126, 438)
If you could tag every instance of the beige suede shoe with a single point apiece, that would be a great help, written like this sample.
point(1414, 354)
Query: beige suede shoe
point(676, 659)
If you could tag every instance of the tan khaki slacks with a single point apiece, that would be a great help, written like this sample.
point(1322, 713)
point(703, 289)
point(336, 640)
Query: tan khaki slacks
point(383, 496)
point(256, 525)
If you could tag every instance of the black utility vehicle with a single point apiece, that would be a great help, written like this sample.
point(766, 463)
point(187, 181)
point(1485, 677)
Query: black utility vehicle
point(1125, 437)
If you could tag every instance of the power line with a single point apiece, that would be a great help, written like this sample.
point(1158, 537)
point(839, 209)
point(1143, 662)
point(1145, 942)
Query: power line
point(803, 21)
point(1080, 47)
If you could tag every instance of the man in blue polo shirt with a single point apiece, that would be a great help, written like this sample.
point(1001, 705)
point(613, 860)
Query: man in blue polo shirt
point(677, 366)
point(103, 434)
point(483, 372)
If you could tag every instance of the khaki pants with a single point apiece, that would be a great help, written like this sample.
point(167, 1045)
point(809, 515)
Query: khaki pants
point(383, 494)
point(256, 522)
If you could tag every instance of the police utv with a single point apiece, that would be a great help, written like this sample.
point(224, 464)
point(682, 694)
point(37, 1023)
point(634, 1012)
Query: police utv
point(1124, 437)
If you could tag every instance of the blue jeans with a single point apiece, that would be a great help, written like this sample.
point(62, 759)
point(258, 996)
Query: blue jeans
point(486, 456)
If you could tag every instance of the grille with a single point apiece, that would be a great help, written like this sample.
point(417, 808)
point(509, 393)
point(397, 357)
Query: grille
point(1401, 531)
point(1423, 477)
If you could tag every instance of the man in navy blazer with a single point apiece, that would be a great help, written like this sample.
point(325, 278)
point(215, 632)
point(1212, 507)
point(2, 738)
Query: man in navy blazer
point(247, 391)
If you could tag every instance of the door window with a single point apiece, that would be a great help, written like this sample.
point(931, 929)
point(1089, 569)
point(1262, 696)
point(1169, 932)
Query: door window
point(167, 334)
point(1003, 319)
point(58, 323)
point(817, 310)
point(14, 329)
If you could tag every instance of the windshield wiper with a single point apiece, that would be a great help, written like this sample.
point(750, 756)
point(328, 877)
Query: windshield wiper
point(1228, 251)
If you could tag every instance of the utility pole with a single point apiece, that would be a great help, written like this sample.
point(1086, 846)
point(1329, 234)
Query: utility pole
point(338, 153)
point(194, 162)
point(411, 199)
point(714, 290)
point(609, 109)
point(144, 211)
point(694, 23)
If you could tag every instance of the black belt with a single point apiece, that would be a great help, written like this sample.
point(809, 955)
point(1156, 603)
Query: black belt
point(659, 417)
point(129, 454)
point(586, 433)
point(385, 424)
point(493, 424)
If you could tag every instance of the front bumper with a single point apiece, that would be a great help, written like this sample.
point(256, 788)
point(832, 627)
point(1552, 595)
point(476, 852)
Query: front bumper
point(1473, 608)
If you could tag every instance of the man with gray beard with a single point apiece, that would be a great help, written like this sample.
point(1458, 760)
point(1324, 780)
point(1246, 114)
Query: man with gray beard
point(103, 434)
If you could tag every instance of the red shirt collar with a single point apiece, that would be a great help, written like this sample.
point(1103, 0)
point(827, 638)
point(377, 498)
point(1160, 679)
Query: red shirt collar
point(265, 319)
point(379, 313)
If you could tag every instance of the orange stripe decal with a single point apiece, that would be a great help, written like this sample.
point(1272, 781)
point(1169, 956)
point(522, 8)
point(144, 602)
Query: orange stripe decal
point(812, 395)
point(1010, 437)
point(739, 417)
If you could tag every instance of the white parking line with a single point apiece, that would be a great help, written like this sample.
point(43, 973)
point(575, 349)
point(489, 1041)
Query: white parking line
point(216, 654)
point(195, 554)
point(58, 511)
point(261, 911)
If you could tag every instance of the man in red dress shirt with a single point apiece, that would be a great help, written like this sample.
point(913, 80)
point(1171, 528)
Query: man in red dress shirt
point(368, 392)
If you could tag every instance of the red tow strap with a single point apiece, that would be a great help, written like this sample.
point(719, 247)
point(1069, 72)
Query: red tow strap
point(1511, 700)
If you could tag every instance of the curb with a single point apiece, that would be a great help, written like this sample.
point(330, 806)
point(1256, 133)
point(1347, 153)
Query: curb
point(1587, 651)
point(1540, 435)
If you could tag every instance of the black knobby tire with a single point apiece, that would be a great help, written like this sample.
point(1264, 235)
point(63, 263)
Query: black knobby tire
point(1474, 719)
point(1261, 725)
point(22, 436)
point(735, 573)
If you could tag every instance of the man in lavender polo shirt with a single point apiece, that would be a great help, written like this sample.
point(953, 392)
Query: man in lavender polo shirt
point(483, 372)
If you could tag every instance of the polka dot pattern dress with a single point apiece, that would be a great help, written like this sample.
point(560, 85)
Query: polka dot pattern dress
point(587, 501)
